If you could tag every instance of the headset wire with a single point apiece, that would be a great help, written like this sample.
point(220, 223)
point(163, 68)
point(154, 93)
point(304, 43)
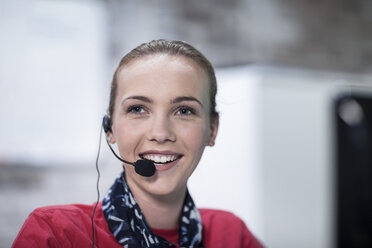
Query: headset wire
point(97, 185)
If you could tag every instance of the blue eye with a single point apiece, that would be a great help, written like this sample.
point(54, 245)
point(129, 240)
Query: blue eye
point(136, 109)
point(185, 111)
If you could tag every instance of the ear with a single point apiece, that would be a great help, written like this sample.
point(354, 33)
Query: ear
point(111, 138)
point(107, 127)
point(214, 129)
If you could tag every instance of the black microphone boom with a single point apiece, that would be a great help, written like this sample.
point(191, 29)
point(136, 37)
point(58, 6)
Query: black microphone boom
point(142, 167)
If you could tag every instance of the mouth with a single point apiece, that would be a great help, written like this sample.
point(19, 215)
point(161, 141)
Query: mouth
point(160, 159)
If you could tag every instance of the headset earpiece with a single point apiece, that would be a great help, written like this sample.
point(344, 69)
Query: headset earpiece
point(106, 124)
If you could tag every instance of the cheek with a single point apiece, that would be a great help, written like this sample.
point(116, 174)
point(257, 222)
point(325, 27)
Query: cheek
point(195, 138)
point(128, 137)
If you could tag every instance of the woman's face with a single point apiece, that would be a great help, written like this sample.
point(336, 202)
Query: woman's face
point(162, 113)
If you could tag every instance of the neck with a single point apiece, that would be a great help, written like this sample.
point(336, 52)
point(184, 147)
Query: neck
point(161, 211)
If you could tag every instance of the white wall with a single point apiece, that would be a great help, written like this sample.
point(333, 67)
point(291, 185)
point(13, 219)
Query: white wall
point(52, 76)
point(297, 160)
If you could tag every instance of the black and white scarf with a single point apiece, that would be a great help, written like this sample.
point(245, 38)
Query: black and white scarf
point(130, 228)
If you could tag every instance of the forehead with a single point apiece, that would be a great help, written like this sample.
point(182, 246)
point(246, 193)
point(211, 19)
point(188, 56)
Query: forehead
point(153, 61)
point(163, 70)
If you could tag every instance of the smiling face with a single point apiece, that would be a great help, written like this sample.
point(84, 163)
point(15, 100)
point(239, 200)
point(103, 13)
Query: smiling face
point(162, 113)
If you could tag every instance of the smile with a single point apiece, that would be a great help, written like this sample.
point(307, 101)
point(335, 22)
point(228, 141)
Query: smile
point(161, 158)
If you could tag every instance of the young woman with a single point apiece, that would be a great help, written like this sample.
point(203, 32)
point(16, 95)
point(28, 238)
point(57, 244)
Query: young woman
point(162, 109)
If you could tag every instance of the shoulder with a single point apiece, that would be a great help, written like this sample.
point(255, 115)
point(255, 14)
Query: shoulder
point(215, 216)
point(216, 212)
point(72, 209)
point(225, 229)
point(65, 216)
point(61, 215)
point(55, 225)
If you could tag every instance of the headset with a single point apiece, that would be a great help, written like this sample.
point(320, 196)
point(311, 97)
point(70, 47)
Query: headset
point(143, 167)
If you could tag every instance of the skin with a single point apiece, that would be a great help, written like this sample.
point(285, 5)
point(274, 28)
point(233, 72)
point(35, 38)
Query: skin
point(162, 106)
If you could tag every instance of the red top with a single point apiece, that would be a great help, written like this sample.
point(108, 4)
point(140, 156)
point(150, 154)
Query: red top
point(70, 226)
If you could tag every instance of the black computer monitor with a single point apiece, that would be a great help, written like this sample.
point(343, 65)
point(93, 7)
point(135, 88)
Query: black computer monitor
point(353, 171)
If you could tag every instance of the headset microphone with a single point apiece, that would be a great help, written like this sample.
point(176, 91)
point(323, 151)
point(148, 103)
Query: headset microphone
point(142, 167)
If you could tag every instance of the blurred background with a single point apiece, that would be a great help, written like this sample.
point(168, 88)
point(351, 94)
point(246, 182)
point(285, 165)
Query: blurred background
point(290, 76)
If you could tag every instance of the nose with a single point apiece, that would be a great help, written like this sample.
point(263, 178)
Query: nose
point(161, 130)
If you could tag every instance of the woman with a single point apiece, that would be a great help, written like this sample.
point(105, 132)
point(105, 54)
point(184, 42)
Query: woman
point(162, 108)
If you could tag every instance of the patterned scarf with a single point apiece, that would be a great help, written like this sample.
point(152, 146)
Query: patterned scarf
point(130, 228)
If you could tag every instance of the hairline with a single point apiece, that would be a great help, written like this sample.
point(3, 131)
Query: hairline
point(161, 47)
point(190, 58)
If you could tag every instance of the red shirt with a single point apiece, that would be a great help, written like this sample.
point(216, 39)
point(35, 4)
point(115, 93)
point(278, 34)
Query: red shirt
point(70, 226)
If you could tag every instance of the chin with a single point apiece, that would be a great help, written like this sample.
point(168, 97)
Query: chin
point(164, 183)
point(166, 187)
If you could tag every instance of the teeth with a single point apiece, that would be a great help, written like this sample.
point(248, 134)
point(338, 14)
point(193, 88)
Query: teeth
point(160, 158)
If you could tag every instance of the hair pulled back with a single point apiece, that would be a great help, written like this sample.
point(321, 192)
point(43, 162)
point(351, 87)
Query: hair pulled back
point(177, 48)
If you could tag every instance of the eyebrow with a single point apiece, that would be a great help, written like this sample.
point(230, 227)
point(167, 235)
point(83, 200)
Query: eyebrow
point(141, 98)
point(173, 101)
point(186, 98)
